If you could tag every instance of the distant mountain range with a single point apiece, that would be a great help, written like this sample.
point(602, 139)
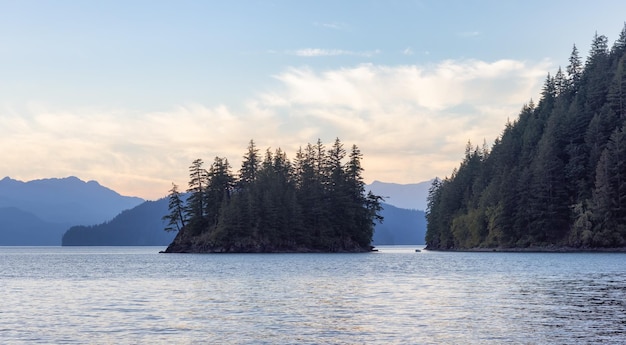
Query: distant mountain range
point(39, 211)
point(70, 211)
point(409, 196)
point(400, 226)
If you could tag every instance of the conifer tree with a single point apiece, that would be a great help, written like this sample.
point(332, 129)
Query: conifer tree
point(574, 69)
point(599, 48)
point(176, 218)
point(249, 166)
point(218, 190)
point(198, 182)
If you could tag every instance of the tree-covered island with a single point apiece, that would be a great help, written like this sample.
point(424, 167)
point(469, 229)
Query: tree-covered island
point(315, 204)
point(555, 178)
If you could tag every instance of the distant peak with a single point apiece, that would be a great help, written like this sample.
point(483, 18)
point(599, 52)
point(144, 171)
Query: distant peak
point(7, 179)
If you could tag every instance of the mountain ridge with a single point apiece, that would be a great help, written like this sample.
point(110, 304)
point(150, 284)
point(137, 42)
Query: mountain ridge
point(411, 196)
point(44, 208)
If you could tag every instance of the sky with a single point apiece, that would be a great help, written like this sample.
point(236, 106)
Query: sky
point(129, 93)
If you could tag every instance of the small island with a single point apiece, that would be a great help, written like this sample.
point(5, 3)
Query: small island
point(315, 204)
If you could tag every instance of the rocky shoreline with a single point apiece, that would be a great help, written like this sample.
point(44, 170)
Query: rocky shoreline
point(189, 246)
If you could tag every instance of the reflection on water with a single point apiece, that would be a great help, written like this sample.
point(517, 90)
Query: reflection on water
point(394, 296)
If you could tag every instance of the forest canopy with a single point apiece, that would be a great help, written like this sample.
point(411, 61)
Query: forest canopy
point(556, 177)
point(315, 204)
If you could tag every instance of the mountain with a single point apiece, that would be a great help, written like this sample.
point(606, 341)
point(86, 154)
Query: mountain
point(400, 226)
point(66, 200)
point(408, 196)
point(555, 178)
point(139, 226)
point(21, 228)
point(37, 212)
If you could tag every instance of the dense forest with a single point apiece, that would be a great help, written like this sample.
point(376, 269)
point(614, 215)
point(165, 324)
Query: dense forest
point(316, 204)
point(556, 177)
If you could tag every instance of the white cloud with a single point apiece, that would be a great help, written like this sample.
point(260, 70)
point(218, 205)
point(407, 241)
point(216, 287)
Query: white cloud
point(407, 51)
point(316, 52)
point(411, 122)
point(332, 25)
point(469, 33)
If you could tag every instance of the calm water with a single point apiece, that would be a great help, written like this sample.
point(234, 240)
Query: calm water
point(133, 295)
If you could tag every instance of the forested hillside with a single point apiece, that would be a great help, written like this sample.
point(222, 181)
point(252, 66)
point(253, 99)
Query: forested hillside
point(556, 176)
point(317, 203)
point(139, 226)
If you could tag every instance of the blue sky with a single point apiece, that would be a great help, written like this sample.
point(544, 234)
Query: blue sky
point(128, 93)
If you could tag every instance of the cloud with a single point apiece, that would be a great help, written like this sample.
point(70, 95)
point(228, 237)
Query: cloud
point(407, 51)
point(469, 34)
point(316, 52)
point(411, 122)
point(332, 25)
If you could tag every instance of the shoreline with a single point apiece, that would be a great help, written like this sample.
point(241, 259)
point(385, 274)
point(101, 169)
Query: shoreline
point(533, 250)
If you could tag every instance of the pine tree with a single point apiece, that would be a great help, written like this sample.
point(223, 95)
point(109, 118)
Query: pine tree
point(218, 190)
point(355, 194)
point(560, 82)
point(249, 166)
point(574, 69)
point(198, 182)
point(599, 49)
point(176, 218)
point(336, 189)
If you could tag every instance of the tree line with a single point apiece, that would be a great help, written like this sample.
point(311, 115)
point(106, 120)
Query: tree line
point(316, 203)
point(556, 176)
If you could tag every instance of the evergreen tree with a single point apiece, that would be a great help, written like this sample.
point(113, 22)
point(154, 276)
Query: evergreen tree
point(176, 218)
point(198, 181)
point(355, 191)
point(218, 190)
point(599, 49)
point(560, 82)
point(574, 69)
point(337, 191)
point(249, 166)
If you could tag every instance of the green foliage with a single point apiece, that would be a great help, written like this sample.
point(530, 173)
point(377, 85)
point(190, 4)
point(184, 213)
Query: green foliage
point(317, 203)
point(555, 177)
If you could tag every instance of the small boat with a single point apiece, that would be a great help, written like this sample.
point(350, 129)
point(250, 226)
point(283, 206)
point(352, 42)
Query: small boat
point(417, 250)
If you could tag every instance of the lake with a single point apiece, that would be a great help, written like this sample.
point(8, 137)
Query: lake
point(133, 295)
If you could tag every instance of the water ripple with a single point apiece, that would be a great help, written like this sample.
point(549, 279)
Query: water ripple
point(396, 296)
